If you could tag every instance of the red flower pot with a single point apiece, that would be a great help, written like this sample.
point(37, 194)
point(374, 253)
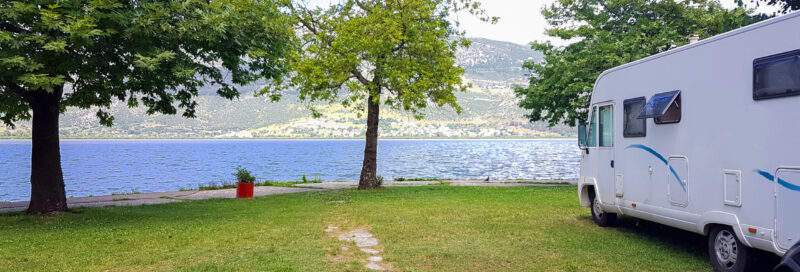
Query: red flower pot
point(244, 190)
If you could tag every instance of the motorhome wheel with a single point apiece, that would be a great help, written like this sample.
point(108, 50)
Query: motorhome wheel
point(600, 217)
point(727, 253)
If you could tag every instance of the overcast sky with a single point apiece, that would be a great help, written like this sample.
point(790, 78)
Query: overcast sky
point(520, 22)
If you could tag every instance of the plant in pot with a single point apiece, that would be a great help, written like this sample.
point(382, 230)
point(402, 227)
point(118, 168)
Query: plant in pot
point(244, 183)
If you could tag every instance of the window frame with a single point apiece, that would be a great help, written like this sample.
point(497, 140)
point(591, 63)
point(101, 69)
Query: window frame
point(772, 59)
point(625, 104)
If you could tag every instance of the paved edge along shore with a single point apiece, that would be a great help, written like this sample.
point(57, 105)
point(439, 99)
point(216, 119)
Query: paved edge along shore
point(167, 197)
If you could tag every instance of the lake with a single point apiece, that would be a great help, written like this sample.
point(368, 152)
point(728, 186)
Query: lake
point(103, 167)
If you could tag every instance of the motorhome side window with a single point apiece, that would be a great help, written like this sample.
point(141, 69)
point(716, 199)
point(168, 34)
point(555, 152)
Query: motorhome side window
point(632, 126)
point(606, 125)
point(664, 108)
point(593, 128)
point(776, 76)
point(673, 113)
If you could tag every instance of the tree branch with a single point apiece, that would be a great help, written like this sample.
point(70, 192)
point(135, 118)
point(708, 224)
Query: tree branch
point(357, 74)
point(303, 21)
point(309, 25)
point(399, 46)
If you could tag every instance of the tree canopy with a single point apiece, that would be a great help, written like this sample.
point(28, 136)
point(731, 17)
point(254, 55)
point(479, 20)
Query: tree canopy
point(356, 49)
point(400, 53)
point(90, 53)
point(154, 52)
point(606, 34)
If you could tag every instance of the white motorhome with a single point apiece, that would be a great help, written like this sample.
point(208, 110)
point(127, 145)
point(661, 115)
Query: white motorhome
point(705, 138)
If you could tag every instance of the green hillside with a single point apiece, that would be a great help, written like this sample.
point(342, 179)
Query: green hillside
point(490, 110)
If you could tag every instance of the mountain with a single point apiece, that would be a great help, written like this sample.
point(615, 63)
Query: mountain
point(489, 110)
point(495, 64)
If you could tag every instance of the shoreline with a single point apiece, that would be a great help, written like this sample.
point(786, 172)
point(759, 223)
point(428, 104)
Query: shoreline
point(136, 199)
point(294, 139)
point(313, 184)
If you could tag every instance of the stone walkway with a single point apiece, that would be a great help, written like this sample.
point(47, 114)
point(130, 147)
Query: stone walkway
point(365, 242)
point(167, 197)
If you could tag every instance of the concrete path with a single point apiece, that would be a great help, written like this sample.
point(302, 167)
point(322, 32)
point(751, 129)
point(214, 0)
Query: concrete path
point(167, 197)
point(155, 198)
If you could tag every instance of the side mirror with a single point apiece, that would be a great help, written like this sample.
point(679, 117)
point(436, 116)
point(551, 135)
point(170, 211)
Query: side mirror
point(582, 135)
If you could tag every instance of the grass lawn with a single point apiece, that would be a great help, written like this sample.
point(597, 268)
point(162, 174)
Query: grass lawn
point(433, 228)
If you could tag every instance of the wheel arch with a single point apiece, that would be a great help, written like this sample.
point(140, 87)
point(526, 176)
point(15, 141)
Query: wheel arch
point(584, 193)
point(714, 219)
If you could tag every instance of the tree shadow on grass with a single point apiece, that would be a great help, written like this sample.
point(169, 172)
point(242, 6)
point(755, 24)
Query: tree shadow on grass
point(679, 239)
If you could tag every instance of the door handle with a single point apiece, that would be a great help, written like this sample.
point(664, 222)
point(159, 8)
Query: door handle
point(612, 163)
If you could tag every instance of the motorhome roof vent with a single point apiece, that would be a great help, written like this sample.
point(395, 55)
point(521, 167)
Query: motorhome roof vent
point(694, 38)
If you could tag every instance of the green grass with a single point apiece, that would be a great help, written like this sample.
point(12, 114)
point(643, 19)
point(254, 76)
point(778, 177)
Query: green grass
point(431, 228)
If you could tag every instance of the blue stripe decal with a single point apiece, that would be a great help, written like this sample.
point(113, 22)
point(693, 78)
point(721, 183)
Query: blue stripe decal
point(782, 182)
point(664, 160)
point(645, 148)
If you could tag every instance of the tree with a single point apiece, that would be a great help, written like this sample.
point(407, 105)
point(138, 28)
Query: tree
point(400, 53)
point(85, 54)
point(607, 34)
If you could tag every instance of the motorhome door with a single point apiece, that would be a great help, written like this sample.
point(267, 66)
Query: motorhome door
point(787, 199)
point(605, 151)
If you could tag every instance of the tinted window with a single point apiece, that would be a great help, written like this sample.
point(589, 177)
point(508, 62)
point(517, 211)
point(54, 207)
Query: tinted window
point(593, 128)
point(606, 114)
point(658, 104)
point(632, 126)
point(673, 113)
point(582, 135)
point(776, 75)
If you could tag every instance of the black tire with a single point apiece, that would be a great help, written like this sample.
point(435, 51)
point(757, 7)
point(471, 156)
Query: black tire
point(790, 261)
point(726, 252)
point(600, 217)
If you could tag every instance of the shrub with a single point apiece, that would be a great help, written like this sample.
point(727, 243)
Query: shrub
point(244, 176)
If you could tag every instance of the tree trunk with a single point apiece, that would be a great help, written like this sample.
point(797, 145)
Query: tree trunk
point(47, 180)
point(369, 178)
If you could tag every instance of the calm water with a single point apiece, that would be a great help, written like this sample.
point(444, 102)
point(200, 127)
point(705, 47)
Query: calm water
point(102, 167)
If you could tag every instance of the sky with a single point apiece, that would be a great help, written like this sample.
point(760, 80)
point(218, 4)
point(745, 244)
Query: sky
point(520, 21)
